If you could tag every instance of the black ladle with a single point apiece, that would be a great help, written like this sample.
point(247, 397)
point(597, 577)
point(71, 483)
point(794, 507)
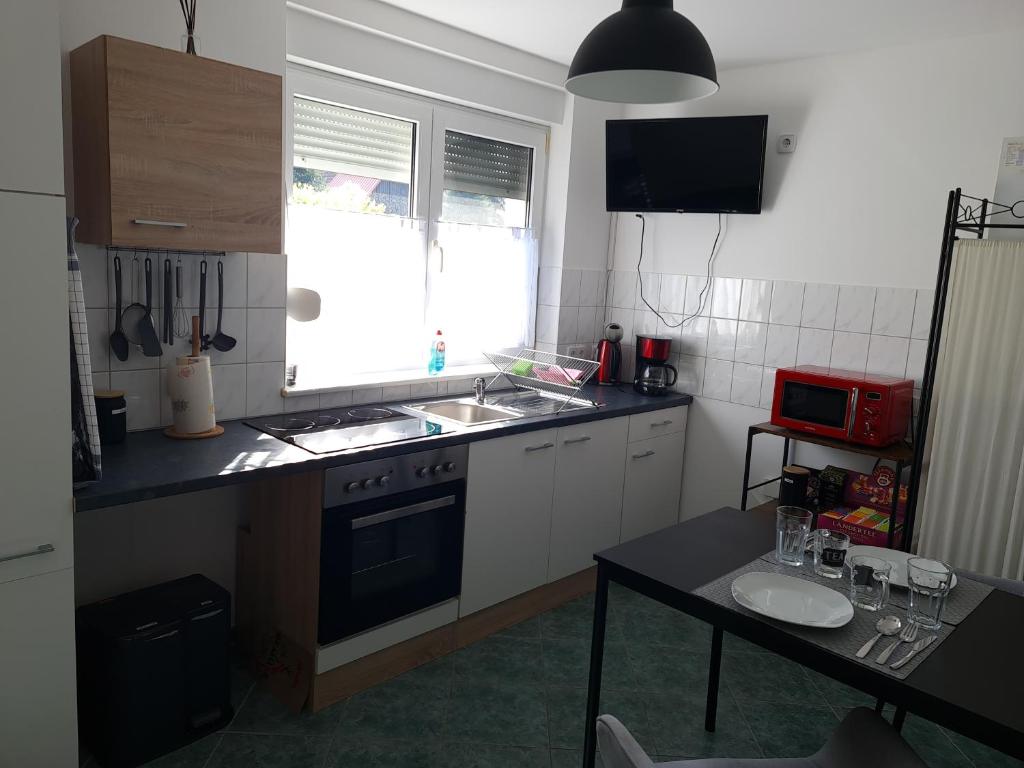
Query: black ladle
point(221, 340)
point(118, 341)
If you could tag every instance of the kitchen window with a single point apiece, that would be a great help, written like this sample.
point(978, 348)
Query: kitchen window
point(405, 216)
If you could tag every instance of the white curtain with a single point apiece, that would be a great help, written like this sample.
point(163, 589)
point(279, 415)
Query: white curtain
point(483, 289)
point(370, 272)
point(973, 508)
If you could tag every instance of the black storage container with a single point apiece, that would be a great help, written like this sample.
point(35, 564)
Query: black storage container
point(111, 416)
point(153, 670)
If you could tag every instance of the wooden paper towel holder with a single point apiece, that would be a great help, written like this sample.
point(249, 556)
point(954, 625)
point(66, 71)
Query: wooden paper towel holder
point(217, 430)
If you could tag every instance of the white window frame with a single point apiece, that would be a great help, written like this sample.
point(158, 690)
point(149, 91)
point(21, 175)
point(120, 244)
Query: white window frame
point(432, 118)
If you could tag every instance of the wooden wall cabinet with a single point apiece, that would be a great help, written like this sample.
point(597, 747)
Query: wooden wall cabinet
point(175, 151)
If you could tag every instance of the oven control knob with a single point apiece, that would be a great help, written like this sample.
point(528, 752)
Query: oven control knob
point(422, 472)
point(366, 483)
point(350, 487)
point(436, 469)
point(449, 466)
point(870, 412)
point(383, 481)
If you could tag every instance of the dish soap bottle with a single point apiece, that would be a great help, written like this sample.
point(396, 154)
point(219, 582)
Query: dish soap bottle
point(436, 364)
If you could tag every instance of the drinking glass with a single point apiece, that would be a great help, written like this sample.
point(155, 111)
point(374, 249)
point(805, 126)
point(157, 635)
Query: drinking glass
point(792, 524)
point(869, 581)
point(830, 553)
point(929, 582)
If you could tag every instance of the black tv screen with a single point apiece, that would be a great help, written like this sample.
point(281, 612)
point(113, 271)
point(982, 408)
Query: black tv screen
point(689, 164)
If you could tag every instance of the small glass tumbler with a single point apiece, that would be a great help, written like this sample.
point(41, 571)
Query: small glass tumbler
point(792, 524)
point(830, 553)
point(929, 582)
point(869, 581)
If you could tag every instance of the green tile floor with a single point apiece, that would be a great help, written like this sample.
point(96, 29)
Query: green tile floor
point(517, 699)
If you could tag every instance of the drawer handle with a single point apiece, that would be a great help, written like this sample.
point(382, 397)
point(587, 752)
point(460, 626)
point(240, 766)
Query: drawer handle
point(664, 423)
point(643, 455)
point(158, 223)
point(583, 439)
point(544, 447)
point(42, 549)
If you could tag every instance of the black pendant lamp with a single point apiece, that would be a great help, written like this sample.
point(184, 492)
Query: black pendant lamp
point(644, 54)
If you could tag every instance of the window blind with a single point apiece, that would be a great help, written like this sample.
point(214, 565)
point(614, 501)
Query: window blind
point(333, 138)
point(486, 167)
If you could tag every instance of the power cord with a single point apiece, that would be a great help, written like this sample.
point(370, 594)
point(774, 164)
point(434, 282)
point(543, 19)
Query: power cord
point(702, 297)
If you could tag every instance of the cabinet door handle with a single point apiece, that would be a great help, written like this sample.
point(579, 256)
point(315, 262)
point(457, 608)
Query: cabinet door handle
point(42, 549)
point(543, 447)
point(583, 439)
point(643, 455)
point(664, 423)
point(158, 223)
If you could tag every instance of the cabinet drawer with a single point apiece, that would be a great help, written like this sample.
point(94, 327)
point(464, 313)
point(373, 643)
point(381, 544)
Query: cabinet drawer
point(653, 480)
point(656, 423)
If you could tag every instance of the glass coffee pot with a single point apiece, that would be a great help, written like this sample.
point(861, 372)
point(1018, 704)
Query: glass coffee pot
point(656, 378)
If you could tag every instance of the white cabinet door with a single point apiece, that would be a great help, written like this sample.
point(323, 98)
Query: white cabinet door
point(38, 706)
point(35, 388)
point(654, 473)
point(31, 159)
point(587, 510)
point(508, 518)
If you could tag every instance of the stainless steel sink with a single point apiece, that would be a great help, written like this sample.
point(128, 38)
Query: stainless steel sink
point(466, 411)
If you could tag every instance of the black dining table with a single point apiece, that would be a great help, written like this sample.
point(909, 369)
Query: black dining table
point(972, 683)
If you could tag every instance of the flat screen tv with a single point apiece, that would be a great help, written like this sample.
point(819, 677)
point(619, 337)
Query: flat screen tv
point(689, 164)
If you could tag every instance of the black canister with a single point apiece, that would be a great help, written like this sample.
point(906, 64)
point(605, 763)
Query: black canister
point(793, 488)
point(112, 416)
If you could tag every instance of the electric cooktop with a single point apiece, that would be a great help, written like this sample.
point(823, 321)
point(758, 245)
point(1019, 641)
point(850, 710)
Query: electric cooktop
point(329, 431)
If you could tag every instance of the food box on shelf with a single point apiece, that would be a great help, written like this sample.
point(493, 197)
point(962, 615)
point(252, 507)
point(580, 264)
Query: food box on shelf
point(874, 490)
point(863, 525)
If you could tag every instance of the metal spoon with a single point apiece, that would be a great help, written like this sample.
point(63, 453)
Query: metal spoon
point(886, 626)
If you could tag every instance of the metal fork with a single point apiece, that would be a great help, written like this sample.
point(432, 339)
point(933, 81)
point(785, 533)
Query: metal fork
point(908, 635)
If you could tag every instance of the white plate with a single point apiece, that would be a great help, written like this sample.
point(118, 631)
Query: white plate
point(794, 600)
point(894, 556)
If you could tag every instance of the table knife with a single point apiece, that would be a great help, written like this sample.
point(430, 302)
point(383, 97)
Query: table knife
point(919, 646)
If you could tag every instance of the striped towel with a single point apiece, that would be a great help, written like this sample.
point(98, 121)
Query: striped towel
point(85, 436)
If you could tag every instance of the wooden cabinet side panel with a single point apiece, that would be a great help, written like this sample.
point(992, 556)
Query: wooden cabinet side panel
point(196, 141)
point(89, 141)
point(279, 584)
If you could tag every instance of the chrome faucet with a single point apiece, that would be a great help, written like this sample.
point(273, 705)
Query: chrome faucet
point(479, 385)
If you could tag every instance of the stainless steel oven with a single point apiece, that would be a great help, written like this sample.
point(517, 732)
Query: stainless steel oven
point(391, 539)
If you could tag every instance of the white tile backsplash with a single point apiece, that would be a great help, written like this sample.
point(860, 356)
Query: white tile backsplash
point(263, 383)
point(99, 338)
point(756, 301)
point(693, 337)
point(787, 302)
point(549, 286)
point(691, 374)
point(746, 384)
point(265, 335)
point(422, 389)
point(547, 324)
point(722, 339)
point(673, 293)
point(234, 324)
point(850, 351)
point(267, 280)
point(92, 262)
point(894, 311)
point(339, 399)
point(923, 308)
point(669, 325)
point(819, 309)
point(624, 317)
point(767, 387)
point(229, 391)
point(591, 283)
point(698, 296)
point(648, 292)
point(395, 392)
point(366, 395)
point(750, 342)
point(623, 288)
point(781, 345)
point(888, 355)
point(725, 297)
point(571, 279)
point(915, 361)
point(645, 323)
point(142, 394)
point(587, 329)
point(568, 322)
point(856, 307)
point(814, 348)
point(718, 379)
point(298, 403)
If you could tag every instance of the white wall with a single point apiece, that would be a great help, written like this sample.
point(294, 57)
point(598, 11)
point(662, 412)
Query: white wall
point(882, 137)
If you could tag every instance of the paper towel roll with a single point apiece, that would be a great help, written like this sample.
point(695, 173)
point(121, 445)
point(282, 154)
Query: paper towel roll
point(190, 386)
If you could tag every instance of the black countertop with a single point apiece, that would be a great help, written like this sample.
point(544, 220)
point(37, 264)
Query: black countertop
point(149, 465)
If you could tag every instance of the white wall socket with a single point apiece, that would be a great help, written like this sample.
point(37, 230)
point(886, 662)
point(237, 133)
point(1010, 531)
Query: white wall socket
point(787, 143)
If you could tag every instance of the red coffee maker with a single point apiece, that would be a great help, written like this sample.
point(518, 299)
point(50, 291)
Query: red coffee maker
point(609, 356)
point(653, 374)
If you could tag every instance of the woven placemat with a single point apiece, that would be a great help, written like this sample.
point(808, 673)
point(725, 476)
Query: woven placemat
point(962, 600)
point(844, 641)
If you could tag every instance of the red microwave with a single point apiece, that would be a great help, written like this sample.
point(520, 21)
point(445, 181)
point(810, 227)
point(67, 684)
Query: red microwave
point(845, 405)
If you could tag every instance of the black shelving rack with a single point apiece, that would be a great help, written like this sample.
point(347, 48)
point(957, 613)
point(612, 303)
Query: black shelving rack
point(972, 216)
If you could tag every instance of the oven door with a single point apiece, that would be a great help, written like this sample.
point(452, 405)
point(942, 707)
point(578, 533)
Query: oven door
point(816, 408)
point(389, 557)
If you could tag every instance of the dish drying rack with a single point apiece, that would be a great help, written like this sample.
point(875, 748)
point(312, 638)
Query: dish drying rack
point(546, 373)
